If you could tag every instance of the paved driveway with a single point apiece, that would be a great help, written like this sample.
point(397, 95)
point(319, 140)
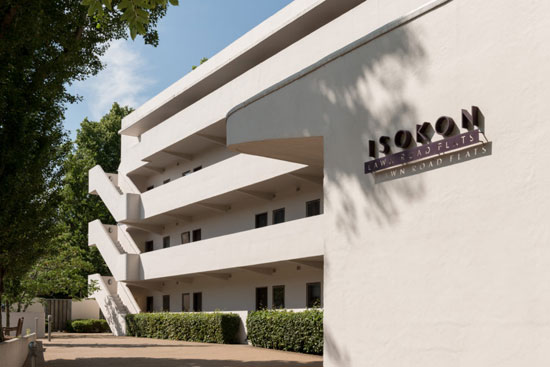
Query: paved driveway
point(87, 350)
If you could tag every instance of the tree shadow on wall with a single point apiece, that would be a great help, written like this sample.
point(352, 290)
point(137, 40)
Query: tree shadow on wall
point(356, 98)
point(363, 98)
point(348, 101)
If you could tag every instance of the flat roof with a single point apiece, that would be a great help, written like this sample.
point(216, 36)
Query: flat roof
point(290, 24)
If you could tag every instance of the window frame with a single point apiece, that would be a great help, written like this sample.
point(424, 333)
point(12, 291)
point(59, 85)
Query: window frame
point(152, 308)
point(274, 215)
point(266, 298)
point(164, 242)
point(308, 294)
point(310, 202)
point(152, 243)
point(195, 308)
point(193, 235)
point(165, 302)
point(188, 233)
point(183, 302)
point(273, 305)
point(257, 216)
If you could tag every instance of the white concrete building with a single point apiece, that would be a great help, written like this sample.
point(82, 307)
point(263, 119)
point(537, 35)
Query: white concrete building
point(427, 257)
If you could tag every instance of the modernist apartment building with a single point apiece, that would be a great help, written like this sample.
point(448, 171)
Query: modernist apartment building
point(385, 160)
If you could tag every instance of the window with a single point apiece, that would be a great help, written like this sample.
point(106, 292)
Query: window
point(166, 242)
point(185, 302)
point(313, 207)
point(150, 304)
point(186, 173)
point(278, 215)
point(166, 181)
point(197, 302)
point(197, 168)
point(185, 237)
point(314, 295)
point(197, 235)
point(261, 298)
point(166, 303)
point(261, 220)
point(149, 246)
point(151, 187)
point(278, 296)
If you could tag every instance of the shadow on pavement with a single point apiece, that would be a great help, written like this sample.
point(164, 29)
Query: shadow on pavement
point(114, 345)
point(168, 362)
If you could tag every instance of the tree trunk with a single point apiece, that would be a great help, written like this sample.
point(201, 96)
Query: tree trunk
point(1, 291)
point(7, 315)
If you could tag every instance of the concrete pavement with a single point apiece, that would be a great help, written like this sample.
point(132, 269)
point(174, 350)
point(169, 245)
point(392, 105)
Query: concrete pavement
point(98, 350)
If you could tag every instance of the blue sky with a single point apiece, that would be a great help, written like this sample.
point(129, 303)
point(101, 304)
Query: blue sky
point(136, 72)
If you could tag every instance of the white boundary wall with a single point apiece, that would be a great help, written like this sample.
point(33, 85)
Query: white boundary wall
point(14, 352)
point(28, 322)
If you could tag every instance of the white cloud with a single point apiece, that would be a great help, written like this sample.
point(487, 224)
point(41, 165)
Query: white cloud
point(124, 80)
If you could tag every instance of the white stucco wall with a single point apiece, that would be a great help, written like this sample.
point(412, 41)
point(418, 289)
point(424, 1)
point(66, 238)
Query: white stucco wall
point(448, 267)
point(84, 309)
point(29, 322)
point(14, 352)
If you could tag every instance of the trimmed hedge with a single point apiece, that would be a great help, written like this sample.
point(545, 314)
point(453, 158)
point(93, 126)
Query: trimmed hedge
point(88, 326)
point(286, 330)
point(215, 327)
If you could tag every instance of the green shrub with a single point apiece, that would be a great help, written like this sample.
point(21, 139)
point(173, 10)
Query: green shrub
point(87, 326)
point(286, 330)
point(193, 327)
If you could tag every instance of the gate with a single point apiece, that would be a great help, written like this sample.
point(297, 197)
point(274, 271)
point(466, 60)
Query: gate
point(61, 311)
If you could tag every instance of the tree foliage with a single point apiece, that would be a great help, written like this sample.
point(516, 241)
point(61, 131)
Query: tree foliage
point(140, 15)
point(203, 60)
point(45, 45)
point(96, 143)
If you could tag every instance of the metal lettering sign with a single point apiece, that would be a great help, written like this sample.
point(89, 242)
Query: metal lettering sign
point(445, 126)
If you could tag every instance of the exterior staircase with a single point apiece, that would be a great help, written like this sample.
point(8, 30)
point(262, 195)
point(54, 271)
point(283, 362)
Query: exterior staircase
point(119, 247)
point(119, 305)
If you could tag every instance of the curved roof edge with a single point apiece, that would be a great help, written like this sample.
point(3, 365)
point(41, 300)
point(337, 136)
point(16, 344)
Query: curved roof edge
point(388, 27)
point(282, 29)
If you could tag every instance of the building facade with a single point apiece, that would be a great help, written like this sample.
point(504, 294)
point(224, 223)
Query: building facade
point(384, 160)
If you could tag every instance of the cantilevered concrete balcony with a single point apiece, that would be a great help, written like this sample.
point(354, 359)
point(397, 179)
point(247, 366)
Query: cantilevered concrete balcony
point(297, 239)
point(209, 188)
point(123, 206)
point(227, 176)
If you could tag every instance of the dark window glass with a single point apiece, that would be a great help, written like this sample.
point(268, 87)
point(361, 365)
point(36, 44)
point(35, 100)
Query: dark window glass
point(185, 237)
point(261, 298)
point(279, 216)
point(278, 296)
point(197, 302)
point(166, 181)
point(314, 295)
point(197, 168)
point(185, 302)
point(186, 173)
point(149, 246)
point(150, 304)
point(151, 187)
point(166, 242)
point(313, 207)
point(197, 235)
point(261, 220)
point(166, 303)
